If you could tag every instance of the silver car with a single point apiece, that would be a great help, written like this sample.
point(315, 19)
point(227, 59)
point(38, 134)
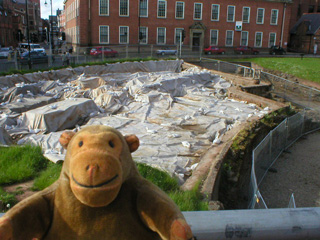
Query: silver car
point(4, 52)
point(166, 51)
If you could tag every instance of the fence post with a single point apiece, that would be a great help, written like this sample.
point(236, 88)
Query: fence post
point(127, 54)
point(218, 65)
point(151, 49)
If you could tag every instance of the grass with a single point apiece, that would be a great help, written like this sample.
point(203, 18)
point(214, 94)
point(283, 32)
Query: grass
point(47, 177)
point(306, 68)
point(19, 164)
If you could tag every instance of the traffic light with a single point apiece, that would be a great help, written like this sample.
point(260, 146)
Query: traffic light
point(183, 35)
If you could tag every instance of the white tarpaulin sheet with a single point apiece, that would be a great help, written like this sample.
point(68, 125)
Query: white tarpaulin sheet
point(176, 115)
point(59, 116)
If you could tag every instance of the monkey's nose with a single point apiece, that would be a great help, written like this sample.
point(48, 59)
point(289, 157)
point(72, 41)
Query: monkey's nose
point(92, 167)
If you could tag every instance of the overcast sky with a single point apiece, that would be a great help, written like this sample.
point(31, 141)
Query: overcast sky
point(46, 10)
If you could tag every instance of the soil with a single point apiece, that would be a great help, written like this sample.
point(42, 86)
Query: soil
point(297, 171)
point(23, 190)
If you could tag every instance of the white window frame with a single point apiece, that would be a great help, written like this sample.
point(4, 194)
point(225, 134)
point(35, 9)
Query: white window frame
point(175, 34)
point(127, 7)
point(214, 44)
point(275, 39)
point(165, 11)
point(234, 13)
point(100, 34)
point(262, 16)
point(146, 35)
point(247, 38)
point(182, 12)
point(248, 14)
point(276, 23)
point(255, 39)
point(145, 16)
point(120, 34)
point(100, 14)
point(194, 10)
point(165, 36)
point(218, 12)
point(227, 38)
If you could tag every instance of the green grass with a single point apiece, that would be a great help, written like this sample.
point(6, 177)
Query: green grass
point(307, 68)
point(7, 198)
point(20, 163)
point(47, 177)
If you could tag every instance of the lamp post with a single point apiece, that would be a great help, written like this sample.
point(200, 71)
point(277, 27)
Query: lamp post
point(50, 34)
point(28, 37)
point(139, 33)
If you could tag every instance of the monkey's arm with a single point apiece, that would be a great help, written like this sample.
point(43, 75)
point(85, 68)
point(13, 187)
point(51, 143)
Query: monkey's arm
point(161, 214)
point(30, 218)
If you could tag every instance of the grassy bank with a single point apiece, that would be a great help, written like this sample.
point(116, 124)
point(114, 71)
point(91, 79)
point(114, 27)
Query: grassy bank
point(18, 164)
point(306, 68)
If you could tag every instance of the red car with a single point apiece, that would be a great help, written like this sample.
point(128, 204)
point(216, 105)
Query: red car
point(214, 50)
point(107, 52)
point(246, 50)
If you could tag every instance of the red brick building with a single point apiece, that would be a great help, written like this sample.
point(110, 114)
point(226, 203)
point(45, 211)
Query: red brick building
point(227, 23)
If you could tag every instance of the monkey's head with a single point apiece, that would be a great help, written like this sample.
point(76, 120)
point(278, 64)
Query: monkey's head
point(97, 162)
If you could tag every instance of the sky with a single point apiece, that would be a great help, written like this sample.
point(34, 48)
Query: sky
point(46, 10)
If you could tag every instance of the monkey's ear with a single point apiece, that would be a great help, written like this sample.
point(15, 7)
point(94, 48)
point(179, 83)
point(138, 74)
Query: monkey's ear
point(65, 138)
point(132, 141)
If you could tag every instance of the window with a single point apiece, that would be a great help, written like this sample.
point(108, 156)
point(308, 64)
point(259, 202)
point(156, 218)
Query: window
point(274, 17)
point(143, 8)
point(180, 10)
point(123, 34)
point(246, 14)
point(244, 38)
point(311, 9)
point(258, 41)
point(215, 12)
point(177, 34)
point(197, 15)
point(162, 9)
point(272, 39)
point(161, 35)
point(231, 11)
point(214, 37)
point(104, 7)
point(229, 38)
point(260, 16)
point(143, 35)
point(104, 34)
point(124, 8)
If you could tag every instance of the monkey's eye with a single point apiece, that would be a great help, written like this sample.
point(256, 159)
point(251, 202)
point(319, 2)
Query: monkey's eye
point(111, 144)
point(80, 143)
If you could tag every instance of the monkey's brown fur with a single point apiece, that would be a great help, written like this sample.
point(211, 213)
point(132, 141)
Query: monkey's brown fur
point(99, 195)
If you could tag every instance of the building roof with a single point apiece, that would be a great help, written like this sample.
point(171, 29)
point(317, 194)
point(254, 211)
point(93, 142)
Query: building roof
point(312, 20)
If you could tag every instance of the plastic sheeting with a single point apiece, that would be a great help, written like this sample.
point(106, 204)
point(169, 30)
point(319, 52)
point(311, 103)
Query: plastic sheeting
point(176, 115)
point(59, 116)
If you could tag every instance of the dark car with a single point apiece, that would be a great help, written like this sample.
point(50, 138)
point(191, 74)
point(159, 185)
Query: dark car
point(35, 57)
point(214, 50)
point(246, 50)
point(107, 52)
point(277, 50)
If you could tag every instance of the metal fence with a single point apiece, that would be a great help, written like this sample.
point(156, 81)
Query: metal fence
point(81, 55)
point(269, 150)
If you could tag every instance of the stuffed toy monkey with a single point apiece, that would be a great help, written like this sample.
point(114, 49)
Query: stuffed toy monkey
point(99, 195)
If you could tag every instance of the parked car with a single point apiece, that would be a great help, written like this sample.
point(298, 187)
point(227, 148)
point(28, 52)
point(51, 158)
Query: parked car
point(246, 50)
point(214, 50)
point(35, 57)
point(107, 52)
point(33, 47)
point(166, 51)
point(277, 50)
point(5, 52)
